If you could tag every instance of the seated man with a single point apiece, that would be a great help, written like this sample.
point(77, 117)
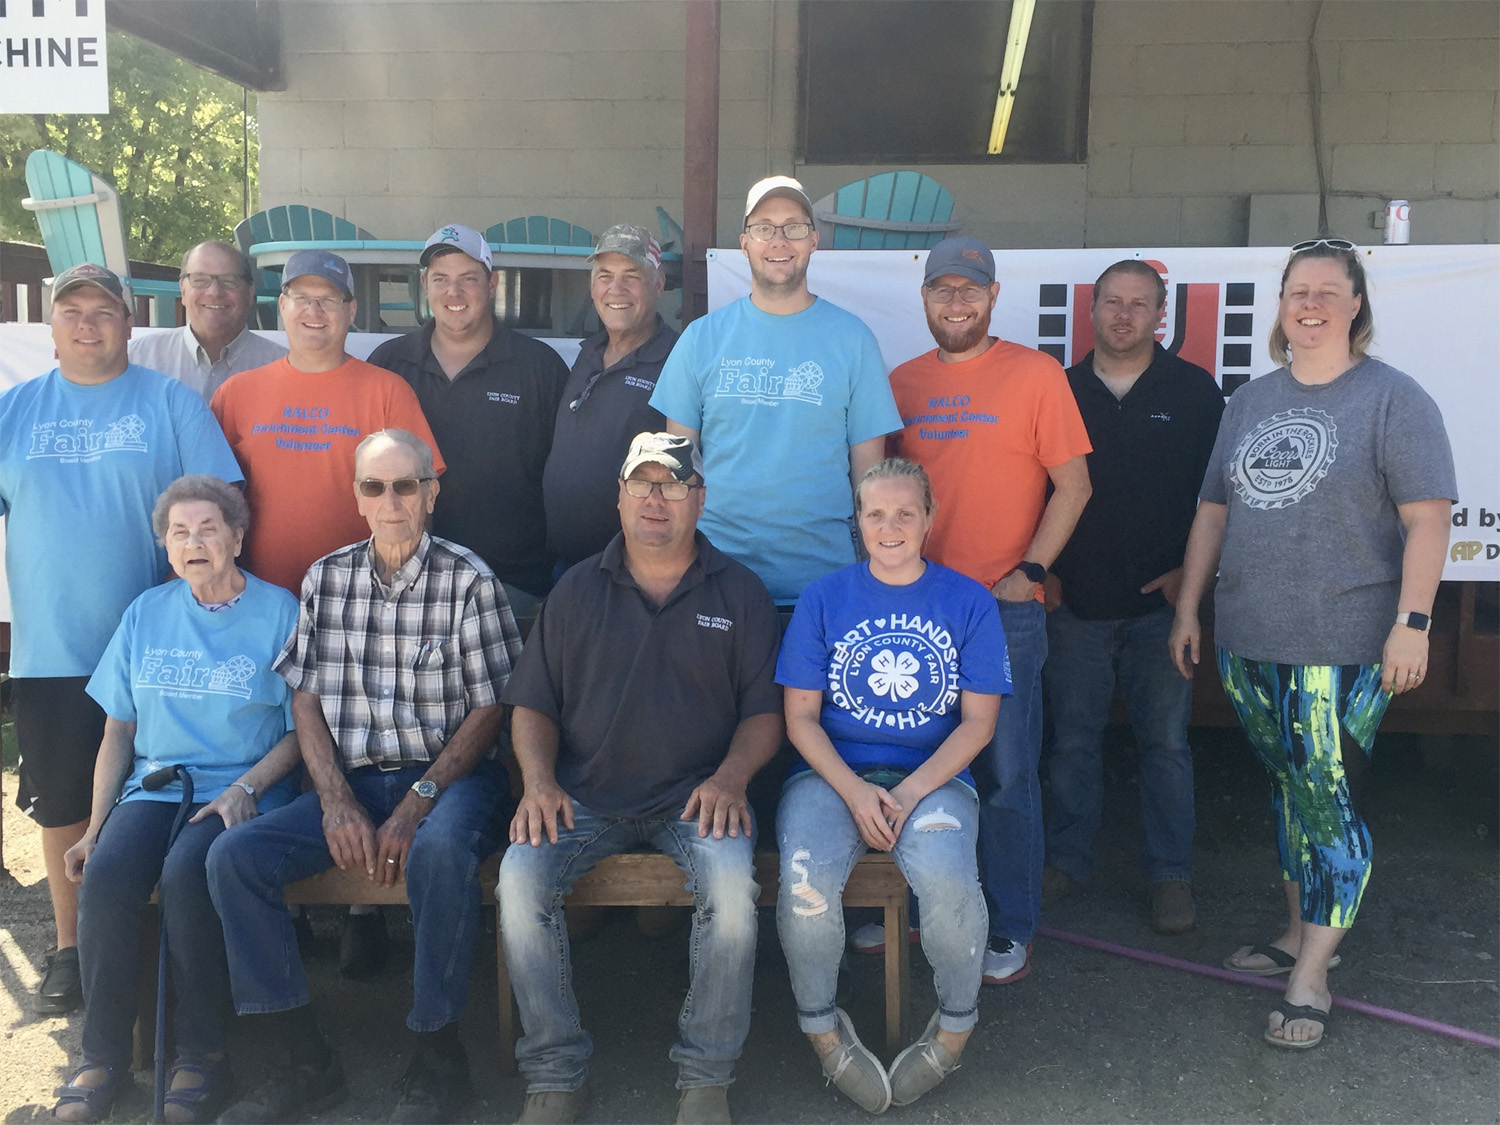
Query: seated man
point(402, 646)
point(644, 703)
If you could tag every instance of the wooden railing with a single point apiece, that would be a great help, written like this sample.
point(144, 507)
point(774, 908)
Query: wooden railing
point(23, 265)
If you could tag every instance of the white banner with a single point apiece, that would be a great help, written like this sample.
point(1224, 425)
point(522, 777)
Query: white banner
point(52, 57)
point(1435, 318)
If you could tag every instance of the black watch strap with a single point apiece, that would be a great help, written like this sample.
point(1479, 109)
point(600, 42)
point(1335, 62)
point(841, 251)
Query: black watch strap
point(1034, 571)
point(1412, 619)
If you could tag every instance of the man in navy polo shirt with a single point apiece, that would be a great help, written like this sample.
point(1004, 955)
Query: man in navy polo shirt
point(644, 704)
point(1151, 418)
point(490, 395)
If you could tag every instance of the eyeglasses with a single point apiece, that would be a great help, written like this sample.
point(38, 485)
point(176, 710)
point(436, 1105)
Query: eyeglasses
point(208, 280)
point(945, 294)
point(792, 232)
point(1331, 243)
point(670, 489)
point(322, 304)
point(405, 486)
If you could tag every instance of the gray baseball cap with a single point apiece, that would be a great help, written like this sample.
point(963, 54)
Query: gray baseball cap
point(455, 237)
point(636, 243)
point(962, 255)
point(318, 263)
point(677, 454)
point(88, 273)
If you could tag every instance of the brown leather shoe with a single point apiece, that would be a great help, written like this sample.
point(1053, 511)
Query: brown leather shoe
point(1172, 910)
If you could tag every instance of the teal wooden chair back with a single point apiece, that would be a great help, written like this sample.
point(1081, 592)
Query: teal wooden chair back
point(891, 211)
point(79, 216)
point(539, 230)
point(290, 223)
point(672, 237)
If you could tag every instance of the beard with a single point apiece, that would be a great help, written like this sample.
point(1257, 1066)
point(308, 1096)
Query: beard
point(775, 288)
point(958, 338)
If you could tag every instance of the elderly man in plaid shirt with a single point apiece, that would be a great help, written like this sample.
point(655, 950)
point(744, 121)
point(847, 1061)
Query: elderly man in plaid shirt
point(401, 651)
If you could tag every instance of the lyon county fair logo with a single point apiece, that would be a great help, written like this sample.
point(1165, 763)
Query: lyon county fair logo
point(1283, 458)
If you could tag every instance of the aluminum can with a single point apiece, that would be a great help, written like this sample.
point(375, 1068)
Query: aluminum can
point(1397, 223)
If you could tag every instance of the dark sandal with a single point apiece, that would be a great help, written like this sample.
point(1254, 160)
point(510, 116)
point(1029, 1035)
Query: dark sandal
point(96, 1100)
point(193, 1105)
point(1290, 1012)
point(1281, 962)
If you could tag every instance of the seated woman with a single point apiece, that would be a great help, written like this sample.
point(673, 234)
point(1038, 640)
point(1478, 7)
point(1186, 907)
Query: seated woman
point(893, 672)
point(186, 680)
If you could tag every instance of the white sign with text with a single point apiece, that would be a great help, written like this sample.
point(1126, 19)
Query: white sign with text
point(52, 57)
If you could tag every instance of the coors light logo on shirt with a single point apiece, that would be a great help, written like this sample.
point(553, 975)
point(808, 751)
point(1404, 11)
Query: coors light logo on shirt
point(1282, 459)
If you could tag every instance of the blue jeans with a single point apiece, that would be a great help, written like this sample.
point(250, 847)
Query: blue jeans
point(1085, 658)
point(935, 851)
point(1010, 810)
point(715, 1017)
point(131, 858)
point(249, 866)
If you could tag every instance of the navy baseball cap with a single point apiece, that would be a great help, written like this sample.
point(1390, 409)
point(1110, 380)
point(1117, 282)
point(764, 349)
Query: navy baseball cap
point(318, 263)
point(964, 256)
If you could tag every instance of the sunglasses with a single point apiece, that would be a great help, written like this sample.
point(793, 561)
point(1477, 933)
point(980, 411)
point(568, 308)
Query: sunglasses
point(405, 486)
point(1331, 243)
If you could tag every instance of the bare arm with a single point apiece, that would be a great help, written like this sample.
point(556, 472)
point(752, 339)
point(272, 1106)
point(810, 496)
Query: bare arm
point(111, 768)
point(720, 803)
point(535, 737)
point(346, 827)
point(863, 456)
point(1404, 658)
point(871, 806)
point(234, 805)
point(1071, 492)
point(473, 738)
point(975, 729)
point(1200, 563)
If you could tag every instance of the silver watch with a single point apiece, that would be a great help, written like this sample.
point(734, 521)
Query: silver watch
point(426, 788)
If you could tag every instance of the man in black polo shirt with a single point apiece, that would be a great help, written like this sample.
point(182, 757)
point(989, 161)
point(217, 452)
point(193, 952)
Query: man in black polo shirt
point(490, 395)
point(1152, 419)
point(644, 703)
point(607, 399)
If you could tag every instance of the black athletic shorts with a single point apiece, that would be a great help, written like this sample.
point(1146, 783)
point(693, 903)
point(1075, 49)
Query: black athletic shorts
point(58, 728)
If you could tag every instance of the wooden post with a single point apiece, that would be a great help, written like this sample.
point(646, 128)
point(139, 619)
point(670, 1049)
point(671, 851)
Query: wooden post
point(700, 152)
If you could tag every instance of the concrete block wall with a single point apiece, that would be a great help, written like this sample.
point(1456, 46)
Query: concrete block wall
point(403, 115)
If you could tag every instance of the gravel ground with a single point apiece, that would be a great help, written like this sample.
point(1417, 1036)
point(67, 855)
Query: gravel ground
point(1087, 1037)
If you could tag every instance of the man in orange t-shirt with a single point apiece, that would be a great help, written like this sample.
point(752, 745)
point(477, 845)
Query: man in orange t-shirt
point(294, 424)
point(992, 422)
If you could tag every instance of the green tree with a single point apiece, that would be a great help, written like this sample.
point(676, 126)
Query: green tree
point(173, 144)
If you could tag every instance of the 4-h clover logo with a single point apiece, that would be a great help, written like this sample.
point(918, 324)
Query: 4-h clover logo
point(894, 674)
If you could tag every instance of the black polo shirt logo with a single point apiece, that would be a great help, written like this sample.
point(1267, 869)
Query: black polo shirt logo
point(501, 396)
point(643, 384)
point(707, 622)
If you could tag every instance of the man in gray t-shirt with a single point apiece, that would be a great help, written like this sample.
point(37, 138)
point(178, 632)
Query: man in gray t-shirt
point(1328, 463)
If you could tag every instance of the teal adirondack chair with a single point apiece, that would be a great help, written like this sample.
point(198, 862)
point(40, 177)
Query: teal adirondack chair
point(79, 213)
point(539, 230)
point(292, 223)
point(891, 211)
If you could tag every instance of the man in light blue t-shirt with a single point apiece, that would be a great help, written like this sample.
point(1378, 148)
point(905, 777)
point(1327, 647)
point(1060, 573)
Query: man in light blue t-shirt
point(84, 452)
point(787, 397)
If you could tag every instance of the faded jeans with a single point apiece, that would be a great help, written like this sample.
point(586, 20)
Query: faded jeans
point(1084, 660)
point(249, 866)
point(820, 845)
point(554, 1052)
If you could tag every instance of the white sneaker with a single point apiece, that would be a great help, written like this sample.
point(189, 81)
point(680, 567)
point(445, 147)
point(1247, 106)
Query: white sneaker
point(870, 938)
point(1005, 962)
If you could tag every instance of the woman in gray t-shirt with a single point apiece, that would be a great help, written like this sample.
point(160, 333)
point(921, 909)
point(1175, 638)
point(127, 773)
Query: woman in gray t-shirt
point(1325, 511)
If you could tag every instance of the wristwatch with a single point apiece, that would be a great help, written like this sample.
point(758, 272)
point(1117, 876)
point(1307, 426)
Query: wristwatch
point(426, 788)
point(1034, 571)
point(1413, 620)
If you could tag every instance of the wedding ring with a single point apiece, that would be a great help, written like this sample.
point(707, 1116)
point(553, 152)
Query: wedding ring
point(390, 861)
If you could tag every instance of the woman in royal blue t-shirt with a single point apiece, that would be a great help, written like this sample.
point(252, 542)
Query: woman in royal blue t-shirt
point(893, 671)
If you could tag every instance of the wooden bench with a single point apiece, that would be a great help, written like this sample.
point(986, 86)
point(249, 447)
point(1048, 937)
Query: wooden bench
point(633, 879)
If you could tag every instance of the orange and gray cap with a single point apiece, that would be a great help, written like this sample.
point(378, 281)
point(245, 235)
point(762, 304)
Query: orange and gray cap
point(87, 273)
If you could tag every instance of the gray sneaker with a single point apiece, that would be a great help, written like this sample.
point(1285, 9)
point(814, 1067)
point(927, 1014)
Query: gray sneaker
point(921, 1066)
point(554, 1107)
point(853, 1069)
point(704, 1105)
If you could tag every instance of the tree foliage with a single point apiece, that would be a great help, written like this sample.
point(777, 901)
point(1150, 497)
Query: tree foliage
point(173, 145)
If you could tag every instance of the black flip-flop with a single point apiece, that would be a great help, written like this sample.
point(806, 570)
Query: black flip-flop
point(1290, 1012)
point(1281, 962)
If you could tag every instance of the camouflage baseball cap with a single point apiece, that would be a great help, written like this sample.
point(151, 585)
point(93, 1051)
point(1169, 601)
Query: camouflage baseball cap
point(636, 243)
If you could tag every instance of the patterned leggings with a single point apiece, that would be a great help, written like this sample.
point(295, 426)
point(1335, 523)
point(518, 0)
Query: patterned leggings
point(1291, 713)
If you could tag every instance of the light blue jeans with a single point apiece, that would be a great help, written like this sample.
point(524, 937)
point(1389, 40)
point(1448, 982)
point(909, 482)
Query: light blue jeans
point(935, 851)
point(553, 1053)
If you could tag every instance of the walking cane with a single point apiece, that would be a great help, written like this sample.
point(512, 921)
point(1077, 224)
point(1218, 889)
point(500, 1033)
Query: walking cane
point(151, 783)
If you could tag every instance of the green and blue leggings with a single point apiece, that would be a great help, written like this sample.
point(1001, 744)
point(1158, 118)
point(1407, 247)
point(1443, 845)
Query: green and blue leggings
point(1292, 715)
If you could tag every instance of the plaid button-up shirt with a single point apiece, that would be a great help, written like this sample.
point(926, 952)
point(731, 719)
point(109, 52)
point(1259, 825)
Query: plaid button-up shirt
point(399, 666)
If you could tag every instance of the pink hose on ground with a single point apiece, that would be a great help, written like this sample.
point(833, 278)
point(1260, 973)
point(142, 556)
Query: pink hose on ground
point(1448, 1029)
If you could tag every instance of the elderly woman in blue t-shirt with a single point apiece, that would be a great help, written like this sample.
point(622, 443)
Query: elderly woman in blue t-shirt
point(185, 680)
point(893, 670)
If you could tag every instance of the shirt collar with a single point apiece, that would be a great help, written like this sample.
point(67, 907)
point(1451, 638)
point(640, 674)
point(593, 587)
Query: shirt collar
point(200, 353)
point(409, 571)
point(496, 351)
point(656, 348)
point(710, 560)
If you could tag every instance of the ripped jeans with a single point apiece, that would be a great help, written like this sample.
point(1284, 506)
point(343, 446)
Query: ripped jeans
point(935, 851)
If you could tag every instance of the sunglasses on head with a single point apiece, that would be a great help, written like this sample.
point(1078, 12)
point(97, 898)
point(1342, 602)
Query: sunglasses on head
point(1331, 243)
point(405, 486)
